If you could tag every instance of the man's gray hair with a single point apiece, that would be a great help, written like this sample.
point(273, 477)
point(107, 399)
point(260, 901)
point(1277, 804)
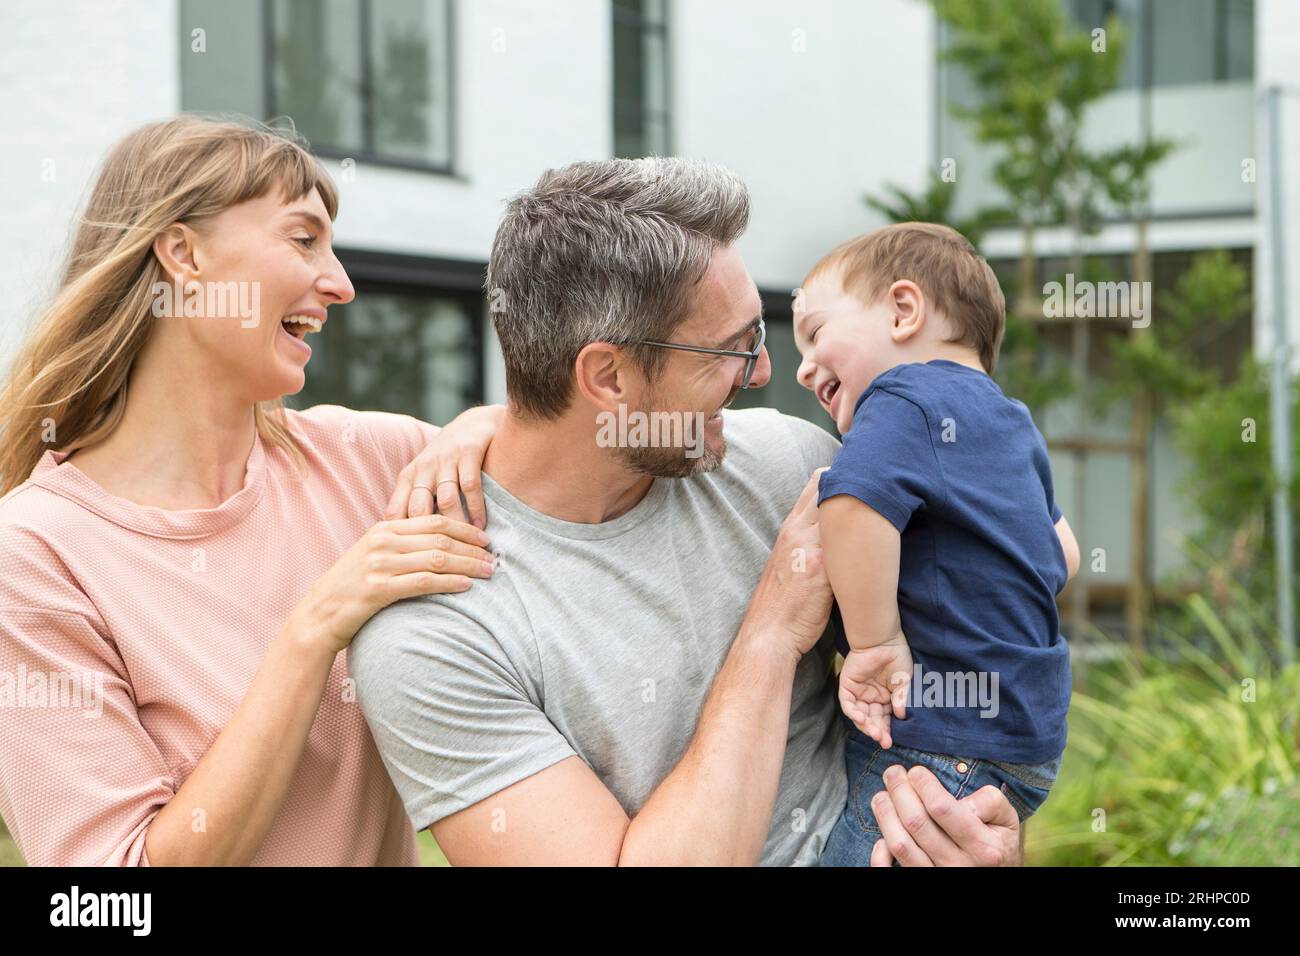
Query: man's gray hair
point(605, 251)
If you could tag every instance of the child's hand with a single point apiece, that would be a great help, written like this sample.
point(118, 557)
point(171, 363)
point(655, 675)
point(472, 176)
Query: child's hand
point(873, 685)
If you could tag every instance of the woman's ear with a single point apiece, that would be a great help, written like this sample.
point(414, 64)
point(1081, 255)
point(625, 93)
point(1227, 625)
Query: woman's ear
point(909, 310)
point(601, 373)
point(174, 248)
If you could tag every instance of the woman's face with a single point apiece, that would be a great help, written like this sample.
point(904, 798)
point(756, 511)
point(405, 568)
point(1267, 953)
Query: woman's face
point(266, 274)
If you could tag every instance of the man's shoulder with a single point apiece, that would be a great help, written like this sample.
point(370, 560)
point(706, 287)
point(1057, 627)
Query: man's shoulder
point(774, 439)
point(769, 459)
point(479, 627)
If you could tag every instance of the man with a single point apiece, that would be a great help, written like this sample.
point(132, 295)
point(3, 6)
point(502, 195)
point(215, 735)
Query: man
point(647, 678)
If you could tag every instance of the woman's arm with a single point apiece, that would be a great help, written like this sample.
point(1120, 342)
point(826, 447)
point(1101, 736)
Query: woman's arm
point(239, 785)
point(79, 782)
point(226, 806)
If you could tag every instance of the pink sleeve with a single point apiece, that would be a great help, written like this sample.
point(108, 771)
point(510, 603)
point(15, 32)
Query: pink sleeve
point(399, 437)
point(80, 778)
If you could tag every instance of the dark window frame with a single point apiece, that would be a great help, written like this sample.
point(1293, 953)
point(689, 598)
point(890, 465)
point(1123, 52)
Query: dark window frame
point(1146, 13)
point(643, 25)
point(455, 279)
point(366, 153)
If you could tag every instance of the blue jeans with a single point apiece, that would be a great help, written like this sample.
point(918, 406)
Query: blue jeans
point(850, 841)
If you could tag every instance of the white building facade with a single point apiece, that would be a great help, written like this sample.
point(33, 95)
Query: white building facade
point(432, 113)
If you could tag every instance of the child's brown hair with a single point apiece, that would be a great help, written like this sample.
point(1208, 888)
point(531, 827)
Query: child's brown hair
point(950, 272)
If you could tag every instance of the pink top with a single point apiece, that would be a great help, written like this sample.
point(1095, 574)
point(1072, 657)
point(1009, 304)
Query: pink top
point(129, 634)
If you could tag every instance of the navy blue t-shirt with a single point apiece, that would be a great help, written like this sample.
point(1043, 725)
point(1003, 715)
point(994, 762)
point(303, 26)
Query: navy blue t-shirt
point(962, 472)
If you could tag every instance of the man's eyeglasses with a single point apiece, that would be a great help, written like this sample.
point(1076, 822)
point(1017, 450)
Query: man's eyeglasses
point(750, 357)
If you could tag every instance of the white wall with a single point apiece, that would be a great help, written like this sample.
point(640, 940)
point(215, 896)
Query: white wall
point(1277, 60)
point(813, 104)
point(75, 77)
point(811, 120)
point(533, 92)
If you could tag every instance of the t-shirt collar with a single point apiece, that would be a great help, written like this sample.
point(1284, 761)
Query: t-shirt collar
point(54, 473)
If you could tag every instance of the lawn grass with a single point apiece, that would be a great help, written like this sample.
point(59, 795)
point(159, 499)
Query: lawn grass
point(430, 853)
point(9, 855)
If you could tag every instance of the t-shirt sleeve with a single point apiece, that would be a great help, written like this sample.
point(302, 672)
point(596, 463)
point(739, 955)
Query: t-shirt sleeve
point(81, 780)
point(399, 437)
point(888, 461)
point(454, 719)
point(1043, 465)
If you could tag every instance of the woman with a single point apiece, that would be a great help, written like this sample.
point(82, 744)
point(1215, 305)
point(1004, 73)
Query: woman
point(181, 558)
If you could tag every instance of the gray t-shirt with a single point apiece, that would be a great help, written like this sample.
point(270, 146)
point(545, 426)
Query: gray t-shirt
point(602, 640)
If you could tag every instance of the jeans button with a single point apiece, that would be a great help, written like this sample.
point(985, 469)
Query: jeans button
point(961, 766)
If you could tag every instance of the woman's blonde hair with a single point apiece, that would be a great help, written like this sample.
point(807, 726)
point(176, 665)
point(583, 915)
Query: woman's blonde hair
point(71, 373)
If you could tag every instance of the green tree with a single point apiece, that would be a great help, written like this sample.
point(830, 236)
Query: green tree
point(1225, 435)
point(1023, 368)
point(1208, 300)
point(1035, 75)
point(935, 203)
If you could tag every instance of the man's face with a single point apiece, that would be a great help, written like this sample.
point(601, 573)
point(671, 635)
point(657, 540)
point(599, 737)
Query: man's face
point(698, 386)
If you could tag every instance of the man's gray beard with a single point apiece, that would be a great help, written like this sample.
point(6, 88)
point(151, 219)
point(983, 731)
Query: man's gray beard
point(672, 462)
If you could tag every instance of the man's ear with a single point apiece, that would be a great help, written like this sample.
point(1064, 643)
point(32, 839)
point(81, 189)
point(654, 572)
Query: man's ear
point(908, 306)
point(604, 376)
point(176, 250)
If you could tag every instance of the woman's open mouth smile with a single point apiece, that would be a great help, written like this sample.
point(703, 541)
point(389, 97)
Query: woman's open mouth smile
point(298, 326)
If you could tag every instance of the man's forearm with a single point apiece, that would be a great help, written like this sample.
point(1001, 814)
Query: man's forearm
point(715, 807)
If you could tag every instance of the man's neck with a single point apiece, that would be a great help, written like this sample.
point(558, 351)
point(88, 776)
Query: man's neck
point(556, 467)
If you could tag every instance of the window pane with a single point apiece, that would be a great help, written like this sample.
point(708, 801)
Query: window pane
point(410, 52)
point(629, 136)
point(1184, 41)
point(1241, 40)
point(655, 11)
point(225, 74)
point(654, 139)
point(1088, 15)
point(640, 86)
point(1129, 14)
point(651, 11)
point(629, 70)
point(316, 78)
point(654, 72)
point(409, 353)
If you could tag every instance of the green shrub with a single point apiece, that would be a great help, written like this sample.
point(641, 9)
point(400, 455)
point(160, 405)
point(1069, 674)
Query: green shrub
point(1186, 757)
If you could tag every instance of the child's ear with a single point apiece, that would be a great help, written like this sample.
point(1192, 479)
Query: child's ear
point(908, 310)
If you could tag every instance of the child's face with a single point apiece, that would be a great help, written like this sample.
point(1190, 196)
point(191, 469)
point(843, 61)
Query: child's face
point(844, 345)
